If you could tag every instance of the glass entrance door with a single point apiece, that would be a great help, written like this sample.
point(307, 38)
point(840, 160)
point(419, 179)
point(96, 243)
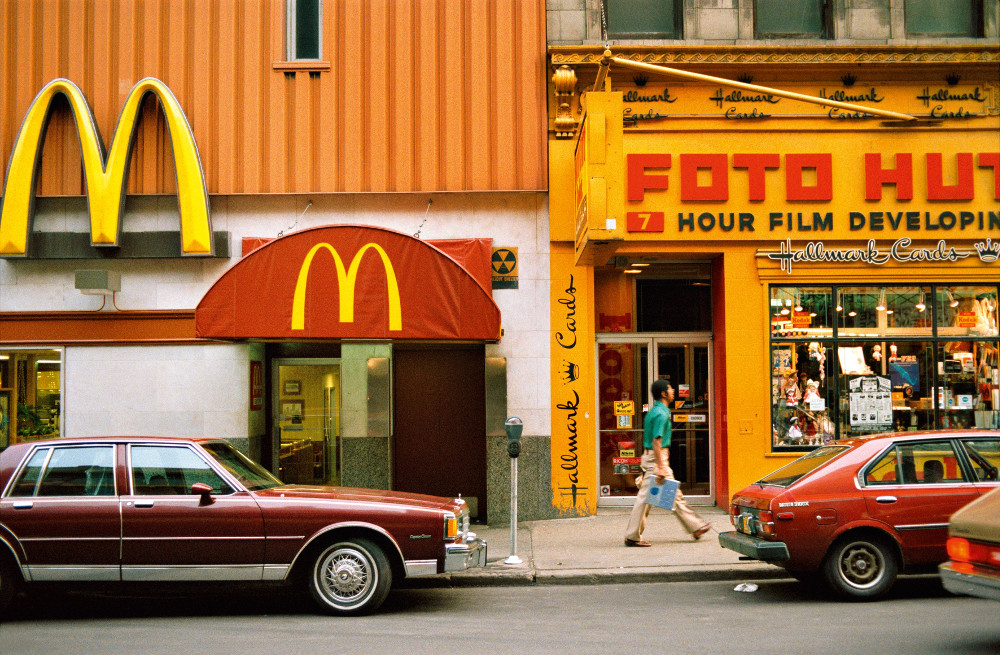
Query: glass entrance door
point(306, 401)
point(686, 367)
point(626, 366)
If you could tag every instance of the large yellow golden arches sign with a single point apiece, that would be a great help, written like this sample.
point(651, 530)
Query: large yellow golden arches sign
point(104, 175)
point(347, 280)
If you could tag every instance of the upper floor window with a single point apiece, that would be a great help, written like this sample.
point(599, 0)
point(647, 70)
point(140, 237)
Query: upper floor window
point(796, 19)
point(943, 18)
point(644, 19)
point(304, 29)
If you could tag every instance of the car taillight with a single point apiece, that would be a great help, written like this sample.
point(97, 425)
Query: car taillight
point(765, 523)
point(958, 549)
point(734, 511)
point(973, 552)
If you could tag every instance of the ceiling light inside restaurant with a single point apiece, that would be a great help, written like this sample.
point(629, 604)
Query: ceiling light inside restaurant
point(633, 271)
point(951, 299)
point(881, 301)
point(920, 303)
point(840, 307)
point(798, 302)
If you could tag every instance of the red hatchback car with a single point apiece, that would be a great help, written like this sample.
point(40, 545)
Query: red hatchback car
point(163, 509)
point(857, 512)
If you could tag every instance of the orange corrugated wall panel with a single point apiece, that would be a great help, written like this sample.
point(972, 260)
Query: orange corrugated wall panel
point(419, 95)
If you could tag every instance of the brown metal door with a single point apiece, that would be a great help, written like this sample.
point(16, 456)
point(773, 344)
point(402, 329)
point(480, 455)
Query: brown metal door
point(440, 423)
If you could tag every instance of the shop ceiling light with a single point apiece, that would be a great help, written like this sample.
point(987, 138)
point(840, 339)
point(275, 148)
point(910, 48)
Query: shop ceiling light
point(951, 299)
point(632, 271)
point(798, 302)
point(881, 301)
point(840, 307)
point(920, 303)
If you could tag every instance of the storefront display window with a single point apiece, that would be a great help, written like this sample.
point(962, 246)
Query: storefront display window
point(30, 395)
point(897, 358)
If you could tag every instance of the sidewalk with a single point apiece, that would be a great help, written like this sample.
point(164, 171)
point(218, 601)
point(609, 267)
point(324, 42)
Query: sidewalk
point(590, 550)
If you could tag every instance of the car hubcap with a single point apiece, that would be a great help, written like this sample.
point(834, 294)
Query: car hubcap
point(346, 575)
point(861, 565)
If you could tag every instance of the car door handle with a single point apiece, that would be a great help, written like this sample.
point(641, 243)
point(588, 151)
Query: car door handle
point(885, 500)
point(22, 504)
point(143, 503)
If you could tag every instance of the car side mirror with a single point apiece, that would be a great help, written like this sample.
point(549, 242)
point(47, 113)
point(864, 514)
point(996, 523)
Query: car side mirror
point(203, 490)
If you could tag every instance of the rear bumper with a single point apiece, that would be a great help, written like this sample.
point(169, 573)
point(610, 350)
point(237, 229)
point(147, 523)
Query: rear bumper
point(981, 582)
point(467, 555)
point(754, 547)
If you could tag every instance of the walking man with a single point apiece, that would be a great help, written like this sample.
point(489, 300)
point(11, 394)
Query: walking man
point(655, 462)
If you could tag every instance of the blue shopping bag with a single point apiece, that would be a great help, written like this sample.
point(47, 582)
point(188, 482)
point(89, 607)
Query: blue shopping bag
point(662, 495)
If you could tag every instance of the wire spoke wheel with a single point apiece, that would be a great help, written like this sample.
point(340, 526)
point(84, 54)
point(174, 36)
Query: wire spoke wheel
point(350, 577)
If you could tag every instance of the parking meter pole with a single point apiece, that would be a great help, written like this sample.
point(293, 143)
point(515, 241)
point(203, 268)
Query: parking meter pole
point(513, 427)
point(513, 559)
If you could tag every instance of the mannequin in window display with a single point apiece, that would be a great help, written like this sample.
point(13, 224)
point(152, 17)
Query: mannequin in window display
point(794, 432)
point(816, 368)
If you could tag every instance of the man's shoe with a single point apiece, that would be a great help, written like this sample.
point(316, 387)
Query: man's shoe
point(637, 544)
point(700, 532)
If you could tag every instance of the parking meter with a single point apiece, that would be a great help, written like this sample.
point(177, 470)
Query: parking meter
point(513, 426)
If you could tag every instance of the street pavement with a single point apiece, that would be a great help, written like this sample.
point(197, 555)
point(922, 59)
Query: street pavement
point(590, 550)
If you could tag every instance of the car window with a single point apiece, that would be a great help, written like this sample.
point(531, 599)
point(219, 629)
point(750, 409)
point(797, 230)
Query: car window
point(68, 471)
point(790, 473)
point(27, 481)
point(932, 462)
point(249, 473)
point(171, 470)
point(890, 469)
point(985, 457)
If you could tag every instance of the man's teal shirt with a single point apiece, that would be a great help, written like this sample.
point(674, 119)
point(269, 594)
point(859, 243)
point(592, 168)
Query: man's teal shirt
point(657, 424)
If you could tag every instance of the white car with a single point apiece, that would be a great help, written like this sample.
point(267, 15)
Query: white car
point(974, 549)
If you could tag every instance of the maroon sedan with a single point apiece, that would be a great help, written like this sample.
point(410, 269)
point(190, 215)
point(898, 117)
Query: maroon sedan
point(164, 509)
point(855, 513)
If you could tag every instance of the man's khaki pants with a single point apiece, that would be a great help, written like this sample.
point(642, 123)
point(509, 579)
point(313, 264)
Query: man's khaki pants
point(637, 521)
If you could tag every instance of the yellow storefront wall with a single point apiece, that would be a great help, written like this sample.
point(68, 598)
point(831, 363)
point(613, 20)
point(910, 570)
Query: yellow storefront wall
point(901, 204)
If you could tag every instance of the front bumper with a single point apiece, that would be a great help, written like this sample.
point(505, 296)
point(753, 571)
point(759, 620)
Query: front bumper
point(982, 583)
point(469, 554)
point(754, 547)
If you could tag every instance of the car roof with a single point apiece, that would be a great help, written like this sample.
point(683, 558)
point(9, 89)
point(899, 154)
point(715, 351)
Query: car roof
point(115, 439)
point(920, 435)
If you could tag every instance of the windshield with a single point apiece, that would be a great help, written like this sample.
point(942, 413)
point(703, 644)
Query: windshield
point(790, 473)
point(251, 474)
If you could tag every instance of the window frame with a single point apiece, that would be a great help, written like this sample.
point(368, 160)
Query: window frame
point(210, 465)
point(935, 340)
point(826, 30)
point(977, 24)
point(291, 32)
point(50, 451)
point(676, 35)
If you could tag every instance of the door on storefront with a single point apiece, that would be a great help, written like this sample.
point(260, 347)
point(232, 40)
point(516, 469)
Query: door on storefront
point(306, 401)
point(626, 365)
point(439, 427)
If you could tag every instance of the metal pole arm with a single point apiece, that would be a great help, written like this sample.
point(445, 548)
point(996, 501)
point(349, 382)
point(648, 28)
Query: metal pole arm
point(607, 59)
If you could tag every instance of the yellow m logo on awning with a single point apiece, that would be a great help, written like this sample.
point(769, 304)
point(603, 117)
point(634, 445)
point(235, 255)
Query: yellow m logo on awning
point(347, 280)
point(104, 176)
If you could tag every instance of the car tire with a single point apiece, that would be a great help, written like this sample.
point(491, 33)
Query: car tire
point(9, 582)
point(861, 567)
point(350, 577)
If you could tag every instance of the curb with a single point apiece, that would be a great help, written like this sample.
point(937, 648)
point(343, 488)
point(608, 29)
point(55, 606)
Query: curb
point(523, 576)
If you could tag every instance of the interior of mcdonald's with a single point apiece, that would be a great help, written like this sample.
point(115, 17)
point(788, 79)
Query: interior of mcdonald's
point(30, 393)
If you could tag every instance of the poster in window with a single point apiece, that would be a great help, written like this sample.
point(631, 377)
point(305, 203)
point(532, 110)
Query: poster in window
point(870, 406)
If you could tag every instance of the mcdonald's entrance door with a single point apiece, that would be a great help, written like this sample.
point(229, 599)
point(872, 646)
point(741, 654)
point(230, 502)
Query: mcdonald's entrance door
point(307, 420)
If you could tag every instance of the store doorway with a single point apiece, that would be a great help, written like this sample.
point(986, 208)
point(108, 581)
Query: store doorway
point(306, 401)
point(439, 427)
point(626, 365)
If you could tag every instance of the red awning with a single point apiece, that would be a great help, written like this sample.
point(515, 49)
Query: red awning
point(351, 282)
